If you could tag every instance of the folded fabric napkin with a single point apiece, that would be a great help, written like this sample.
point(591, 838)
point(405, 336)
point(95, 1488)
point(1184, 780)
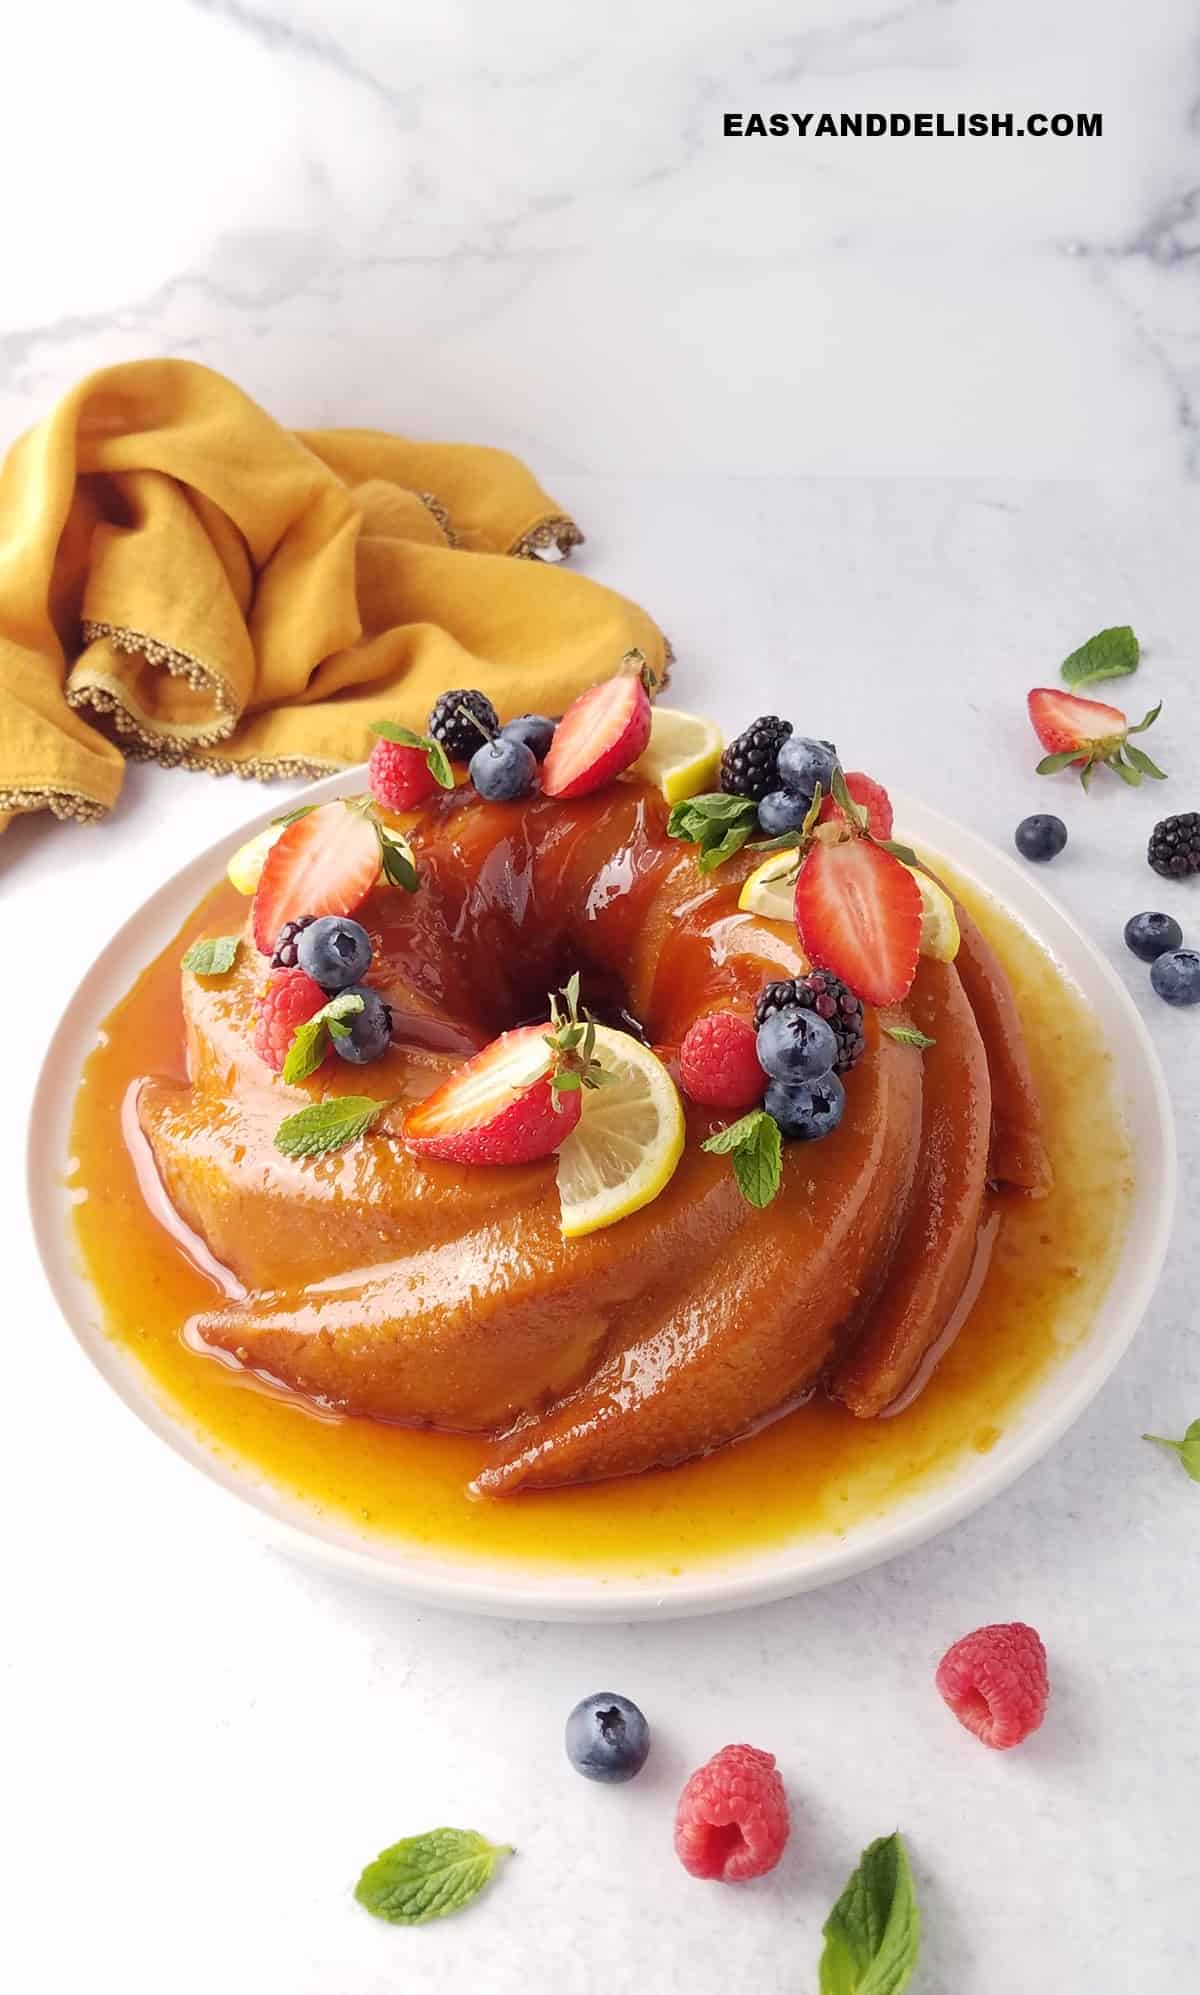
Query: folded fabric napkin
point(183, 581)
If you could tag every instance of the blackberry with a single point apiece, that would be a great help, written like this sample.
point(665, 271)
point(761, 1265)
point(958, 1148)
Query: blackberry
point(286, 956)
point(750, 764)
point(831, 999)
point(449, 725)
point(1174, 849)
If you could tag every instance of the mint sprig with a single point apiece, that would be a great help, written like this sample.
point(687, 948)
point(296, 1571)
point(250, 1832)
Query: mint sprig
point(1110, 654)
point(328, 1125)
point(755, 1150)
point(428, 1877)
point(718, 824)
point(908, 1035)
point(1188, 1449)
point(310, 1041)
point(873, 1934)
point(215, 956)
point(435, 755)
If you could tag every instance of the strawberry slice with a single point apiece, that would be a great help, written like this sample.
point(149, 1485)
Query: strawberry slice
point(873, 798)
point(1087, 734)
point(601, 733)
point(501, 1108)
point(324, 863)
point(858, 913)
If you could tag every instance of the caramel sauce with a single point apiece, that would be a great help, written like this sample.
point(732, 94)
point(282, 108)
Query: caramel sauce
point(813, 1471)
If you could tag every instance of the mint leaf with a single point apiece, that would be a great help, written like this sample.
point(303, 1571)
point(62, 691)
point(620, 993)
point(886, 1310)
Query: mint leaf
point(429, 1876)
point(719, 824)
point(873, 1934)
point(909, 1036)
point(1188, 1449)
point(310, 1041)
point(213, 957)
point(434, 753)
point(395, 855)
point(754, 1146)
point(328, 1125)
point(1110, 654)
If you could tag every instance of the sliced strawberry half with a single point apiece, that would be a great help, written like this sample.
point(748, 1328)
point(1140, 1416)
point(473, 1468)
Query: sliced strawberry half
point(1087, 734)
point(872, 797)
point(601, 733)
point(501, 1108)
point(326, 862)
point(858, 913)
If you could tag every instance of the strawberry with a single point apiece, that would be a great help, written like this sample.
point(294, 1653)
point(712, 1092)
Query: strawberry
point(514, 1102)
point(601, 733)
point(325, 862)
point(1087, 734)
point(871, 796)
point(858, 913)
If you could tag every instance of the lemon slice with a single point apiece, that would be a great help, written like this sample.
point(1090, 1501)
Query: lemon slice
point(771, 888)
point(245, 867)
point(683, 755)
point(627, 1142)
point(939, 923)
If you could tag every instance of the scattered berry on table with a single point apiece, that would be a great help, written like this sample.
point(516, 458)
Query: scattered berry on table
point(803, 763)
point(873, 798)
point(607, 1738)
point(335, 951)
point(399, 777)
point(1174, 849)
point(1176, 976)
point(502, 770)
point(779, 812)
point(750, 764)
point(534, 730)
point(995, 1682)
point(290, 998)
point(450, 725)
point(831, 999)
point(718, 1062)
point(1040, 837)
point(286, 956)
point(1087, 735)
point(1150, 935)
point(370, 1030)
point(806, 1110)
point(796, 1044)
point(732, 1821)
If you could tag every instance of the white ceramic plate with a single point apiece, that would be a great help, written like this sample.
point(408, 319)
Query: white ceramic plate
point(506, 1588)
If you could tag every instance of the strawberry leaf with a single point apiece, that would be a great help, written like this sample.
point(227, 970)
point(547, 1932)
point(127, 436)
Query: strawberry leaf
point(1050, 764)
point(395, 855)
point(904, 853)
point(328, 1125)
point(1188, 1449)
point(1129, 775)
point(1110, 654)
point(1141, 760)
point(1147, 720)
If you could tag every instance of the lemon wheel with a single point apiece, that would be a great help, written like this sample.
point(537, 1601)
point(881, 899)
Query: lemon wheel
point(683, 755)
point(627, 1142)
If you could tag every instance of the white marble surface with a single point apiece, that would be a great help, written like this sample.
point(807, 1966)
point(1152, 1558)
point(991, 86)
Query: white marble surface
point(521, 225)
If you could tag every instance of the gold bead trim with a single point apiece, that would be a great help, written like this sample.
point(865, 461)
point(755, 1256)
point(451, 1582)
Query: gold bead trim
point(558, 531)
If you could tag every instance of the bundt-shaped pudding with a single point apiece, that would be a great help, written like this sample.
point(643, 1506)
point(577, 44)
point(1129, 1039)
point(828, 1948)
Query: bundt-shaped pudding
point(402, 1288)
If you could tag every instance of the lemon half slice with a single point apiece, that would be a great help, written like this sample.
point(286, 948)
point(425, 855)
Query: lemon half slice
point(939, 923)
point(683, 755)
point(627, 1142)
point(245, 867)
point(771, 888)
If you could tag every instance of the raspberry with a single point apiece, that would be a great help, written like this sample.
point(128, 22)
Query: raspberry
point(995, 1683)
point(732, 1821)
point(718, 1064)
point(399, 777)
point(290, 998)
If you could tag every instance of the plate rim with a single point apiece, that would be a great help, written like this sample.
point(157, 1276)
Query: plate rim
point(556, 1594)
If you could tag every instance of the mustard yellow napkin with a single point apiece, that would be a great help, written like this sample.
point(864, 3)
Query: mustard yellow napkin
point(181, 580)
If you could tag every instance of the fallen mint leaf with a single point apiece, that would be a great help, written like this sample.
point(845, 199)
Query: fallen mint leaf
point(755, 1149)
point(873, 1934)
point(213, 957)
point(1188, 1449)
point(310, 1041)
point(909, 1036)
point(1110, 654)
point(328, 1125)
point(434, 753)
point(428, 1877)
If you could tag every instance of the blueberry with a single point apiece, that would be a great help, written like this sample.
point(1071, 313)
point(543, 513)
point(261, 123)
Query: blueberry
point(807, 1110)
point(1040, 837)
point(534, 730)
point(607, 1738)
point(334, 952)
point(804, 763)
point(503, 769)
point(1151, 935)
point(796, 1045)
point(370, 1032)
point(780, 812)
point(1176, 976)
